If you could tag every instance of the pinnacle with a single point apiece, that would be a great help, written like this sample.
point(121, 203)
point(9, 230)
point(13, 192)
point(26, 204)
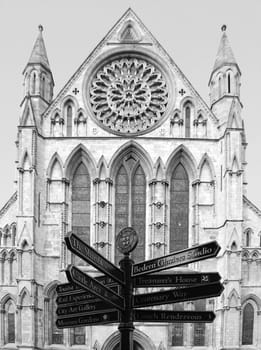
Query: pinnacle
point(39, 55)
point(225, 54)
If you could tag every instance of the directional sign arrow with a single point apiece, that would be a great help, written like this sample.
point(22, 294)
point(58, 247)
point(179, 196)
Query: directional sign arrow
point(83, 308)
point(88, 320)
point(70, 293)
point(178, 295)
point(182, 257)
point(88, 283)
point(75, 298)
point(91, 256)
point(175, 279)
point(173, 316)
point(68, 288)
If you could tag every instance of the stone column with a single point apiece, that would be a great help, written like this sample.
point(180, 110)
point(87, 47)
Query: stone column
point(2, 270)
point(109, 184)
point(195, 186)
point(20, 189)
point(158, 217)
point(19, 324)
point(96, 182)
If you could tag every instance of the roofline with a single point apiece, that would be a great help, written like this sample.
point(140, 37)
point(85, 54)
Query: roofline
point(7, 205)
point(252, 205)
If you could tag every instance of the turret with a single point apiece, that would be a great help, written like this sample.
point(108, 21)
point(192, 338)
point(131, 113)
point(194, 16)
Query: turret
point(224, 82)
point(38, 78)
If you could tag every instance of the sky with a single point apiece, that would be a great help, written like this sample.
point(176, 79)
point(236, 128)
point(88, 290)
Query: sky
point(188, 30)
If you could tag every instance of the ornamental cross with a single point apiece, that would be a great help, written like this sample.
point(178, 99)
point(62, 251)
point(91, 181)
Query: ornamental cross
point(182, 92)
point(75, 91)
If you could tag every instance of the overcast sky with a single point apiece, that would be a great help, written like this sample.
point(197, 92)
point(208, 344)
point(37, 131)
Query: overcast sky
point(189, 31)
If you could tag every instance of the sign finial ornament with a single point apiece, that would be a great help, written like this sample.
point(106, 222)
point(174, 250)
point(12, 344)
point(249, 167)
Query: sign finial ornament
point(127, 240)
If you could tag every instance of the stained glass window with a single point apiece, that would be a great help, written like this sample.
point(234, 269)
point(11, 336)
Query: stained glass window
point(81, 205)
point(78, 336)
point(130, 207)
point(56, 334)
point(69, 120)
point(248, 324)
point(179, 209)
point(10, 322)
point(187, 121)
point(177, 335)
point(199, 328)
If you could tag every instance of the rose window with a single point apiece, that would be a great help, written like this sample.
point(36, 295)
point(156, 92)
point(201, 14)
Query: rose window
point(129, 95)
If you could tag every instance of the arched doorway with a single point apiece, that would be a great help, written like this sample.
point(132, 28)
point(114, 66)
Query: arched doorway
point(140, 341)
point(136, 346)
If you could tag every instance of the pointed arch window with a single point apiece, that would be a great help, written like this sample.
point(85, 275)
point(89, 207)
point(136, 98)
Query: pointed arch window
point(43, 87)
point(33, 84)
point(81, 205)
point(130, 206)
point(229, 83)
point(187, 120)
point(78, 336)
point(69, 119)
point(219, 86)
point(179, 209)
point(9, 322)
point(248, 325)
point(55, 334)
point(199, 328)
point(248, 233)
point(177, 333)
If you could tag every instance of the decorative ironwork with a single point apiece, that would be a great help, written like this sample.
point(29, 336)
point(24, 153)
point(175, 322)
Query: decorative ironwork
point(129, 95)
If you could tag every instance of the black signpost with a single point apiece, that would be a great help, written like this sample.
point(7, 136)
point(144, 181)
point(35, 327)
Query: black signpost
point(173, 316)
point(88, 301)
point(175, 279)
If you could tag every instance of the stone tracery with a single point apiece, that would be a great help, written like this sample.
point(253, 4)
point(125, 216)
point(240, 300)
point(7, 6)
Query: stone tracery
point(129, 95)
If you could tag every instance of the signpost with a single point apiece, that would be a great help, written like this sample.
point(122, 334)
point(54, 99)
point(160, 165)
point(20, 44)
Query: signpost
point(175, 279)
point(183, 257)
point(83, 308)
point(89, 320)
point(83, 280)
point(178, 295)
point(87, 301)
point(91, 256)
point(173, 316)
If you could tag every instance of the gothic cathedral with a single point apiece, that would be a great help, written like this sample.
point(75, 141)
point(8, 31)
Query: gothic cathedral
point(128, 141)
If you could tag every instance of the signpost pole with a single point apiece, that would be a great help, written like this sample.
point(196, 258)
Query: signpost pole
point(126, 326)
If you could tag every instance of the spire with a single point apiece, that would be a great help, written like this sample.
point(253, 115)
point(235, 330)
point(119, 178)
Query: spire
point(225, 54)
point(38, 78)
point(39, 55)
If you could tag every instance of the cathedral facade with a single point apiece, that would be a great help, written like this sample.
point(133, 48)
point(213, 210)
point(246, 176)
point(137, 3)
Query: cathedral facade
point(128, 141)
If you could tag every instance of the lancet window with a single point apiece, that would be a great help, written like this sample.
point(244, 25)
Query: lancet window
point(187, 120)
point(69, 119)
point(177, 334)
point(9, 322)
point(228, 83)
point(248, 325)
point(55, 334)
point(199, 328)
point(78, 336)
point(130, 205)
point(179, 209)
point(81, 204)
